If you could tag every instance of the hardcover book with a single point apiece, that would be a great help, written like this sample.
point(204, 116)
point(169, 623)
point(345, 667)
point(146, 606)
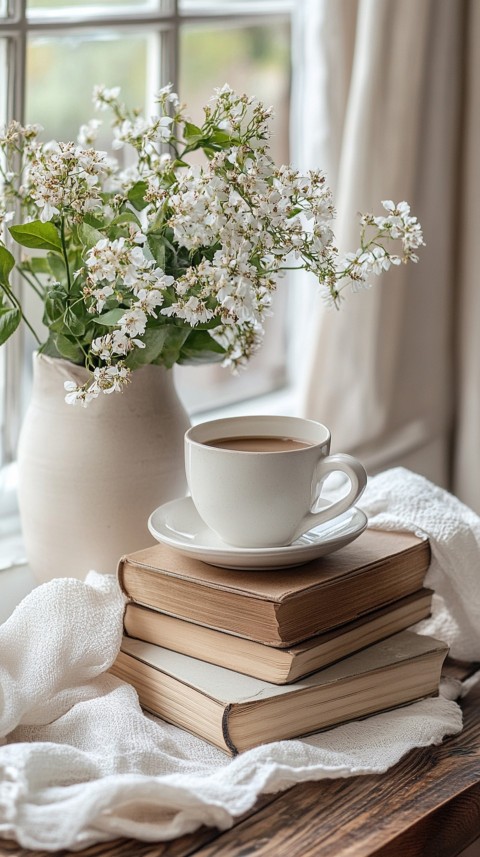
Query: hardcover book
point(281, 607)
point(235, 712)
point(270, 663)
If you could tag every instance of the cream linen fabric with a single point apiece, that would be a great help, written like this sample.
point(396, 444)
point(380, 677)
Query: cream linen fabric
point(396, 373)
point(79, 761)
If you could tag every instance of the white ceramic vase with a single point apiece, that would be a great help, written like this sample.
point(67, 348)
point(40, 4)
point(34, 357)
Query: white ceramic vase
point(90, 477)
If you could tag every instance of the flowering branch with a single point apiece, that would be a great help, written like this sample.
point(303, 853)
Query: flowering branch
point(166, 262)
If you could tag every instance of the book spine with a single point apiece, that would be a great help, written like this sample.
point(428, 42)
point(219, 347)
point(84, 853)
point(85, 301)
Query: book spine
point(226, 731)
point(121, 583)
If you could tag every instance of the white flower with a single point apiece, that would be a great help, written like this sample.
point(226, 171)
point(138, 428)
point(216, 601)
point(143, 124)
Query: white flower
point(355, 265)
point(5, 216)
point(109, 379)
point(226, 89)
point(167, 96)
point(77, 395)
point(330, 297)
point(103, 97)
point(399, 224)
point(133, 322)
point(102, 346)
point(88, 133)
point(137, 236)
point(164, 129)
point(402, 209)
point(142, 133)
point(101, 296)
point(192, 310)
point(48, 211)
point(377, 260)
point(149, 300)
point(122, 344)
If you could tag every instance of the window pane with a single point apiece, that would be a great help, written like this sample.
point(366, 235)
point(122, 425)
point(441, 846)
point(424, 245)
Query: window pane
point(96, 6)
point(3, 81)
point(3, 8)
point(234, 7)
point(84, 61)
point(253, 60)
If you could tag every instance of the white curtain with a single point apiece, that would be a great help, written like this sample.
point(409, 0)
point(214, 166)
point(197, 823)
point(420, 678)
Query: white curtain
point(396, 373)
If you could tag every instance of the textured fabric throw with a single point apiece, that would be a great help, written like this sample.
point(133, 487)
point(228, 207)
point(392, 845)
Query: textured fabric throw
point(79, 761)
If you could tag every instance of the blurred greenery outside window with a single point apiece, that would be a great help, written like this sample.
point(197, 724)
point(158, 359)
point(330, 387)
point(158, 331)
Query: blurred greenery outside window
point(53, 52)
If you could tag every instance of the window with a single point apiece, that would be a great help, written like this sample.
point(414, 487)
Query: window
point(52, 52)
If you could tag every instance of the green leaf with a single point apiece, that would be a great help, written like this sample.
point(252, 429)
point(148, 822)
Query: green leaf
point(136, 195)
point(220, 138)
point(39, 265)
point(156, 226)
point(49, 348)
point(72, 323)
point(93, 220)
point(56, 325)
point(201, 348)
point(110, 318)
point(7, 262)
point(9, 320)
point(172, 346)
point(57, 266)
point(192, 133)
point(154, 339)
point(89, 235)
point(126, 217)
point(54, 307)
point(37, 235)
point(157, 249)
point(68, 349)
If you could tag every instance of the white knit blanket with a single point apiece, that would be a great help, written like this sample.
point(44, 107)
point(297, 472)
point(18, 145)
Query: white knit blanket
point(79, 761)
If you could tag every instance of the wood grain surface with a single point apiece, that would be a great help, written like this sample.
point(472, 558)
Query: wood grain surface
point(426, 806)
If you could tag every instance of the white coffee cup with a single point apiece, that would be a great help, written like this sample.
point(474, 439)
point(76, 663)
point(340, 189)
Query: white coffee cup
point(256, 480)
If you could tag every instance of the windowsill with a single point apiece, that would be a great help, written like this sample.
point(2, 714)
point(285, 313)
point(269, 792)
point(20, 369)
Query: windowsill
point(15, 584)
point(16, 579)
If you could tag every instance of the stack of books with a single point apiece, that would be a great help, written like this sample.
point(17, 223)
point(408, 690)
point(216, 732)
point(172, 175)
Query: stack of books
point(241, 658)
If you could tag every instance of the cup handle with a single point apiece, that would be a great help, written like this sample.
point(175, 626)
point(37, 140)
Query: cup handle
point(357, 475)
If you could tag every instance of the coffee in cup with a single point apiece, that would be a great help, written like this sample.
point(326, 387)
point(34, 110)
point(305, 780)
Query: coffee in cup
point(256, 481)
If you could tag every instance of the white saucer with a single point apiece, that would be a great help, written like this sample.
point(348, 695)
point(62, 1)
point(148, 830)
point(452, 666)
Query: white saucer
point(179, 525)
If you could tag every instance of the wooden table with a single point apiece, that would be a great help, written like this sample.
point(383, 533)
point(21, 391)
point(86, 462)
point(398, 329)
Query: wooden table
point(426, 806)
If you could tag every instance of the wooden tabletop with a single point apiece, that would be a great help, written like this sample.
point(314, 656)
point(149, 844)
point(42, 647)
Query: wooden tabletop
point(426, 806)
